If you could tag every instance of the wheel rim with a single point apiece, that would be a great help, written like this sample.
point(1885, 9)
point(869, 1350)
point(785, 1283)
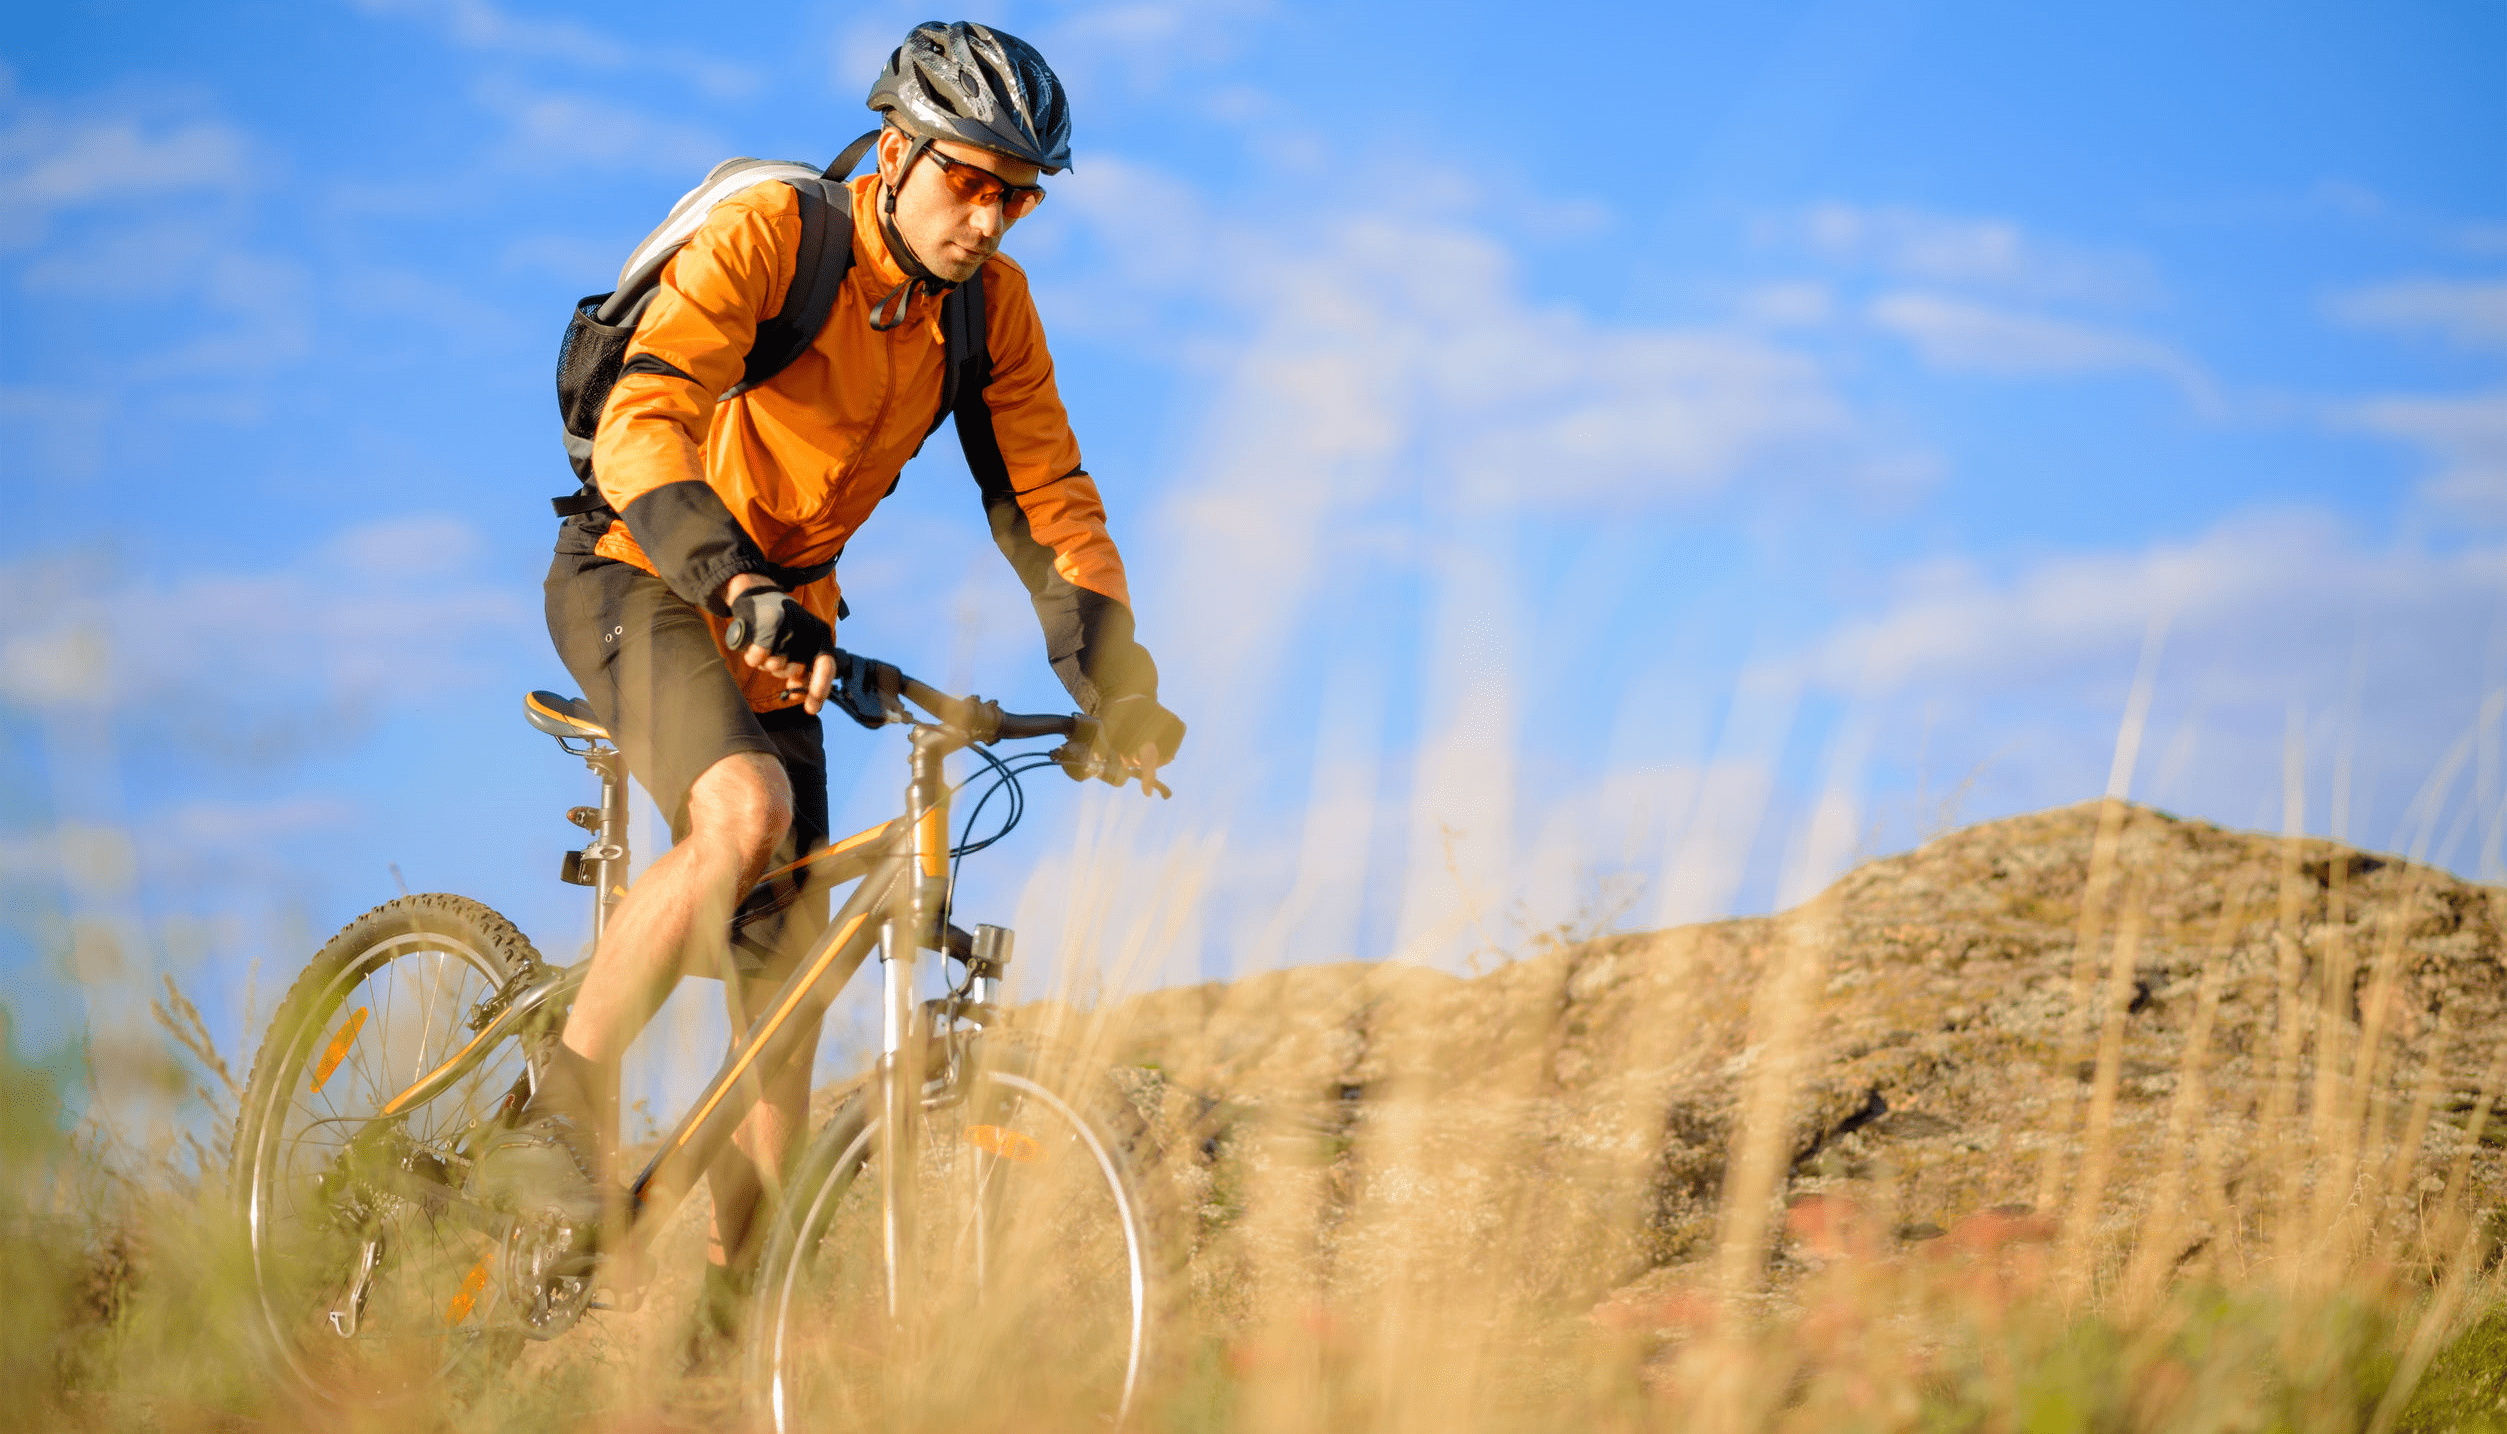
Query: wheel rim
point(390, 1014)
point(1010, 1283)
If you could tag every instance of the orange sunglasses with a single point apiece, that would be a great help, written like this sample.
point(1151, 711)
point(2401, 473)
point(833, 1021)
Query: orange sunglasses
point(974, 184)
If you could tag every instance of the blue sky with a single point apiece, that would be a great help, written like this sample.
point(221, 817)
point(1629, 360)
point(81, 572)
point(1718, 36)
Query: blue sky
point(1667, 452)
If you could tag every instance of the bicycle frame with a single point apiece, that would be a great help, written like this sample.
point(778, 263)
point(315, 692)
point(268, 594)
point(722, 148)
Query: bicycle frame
point(903, 870)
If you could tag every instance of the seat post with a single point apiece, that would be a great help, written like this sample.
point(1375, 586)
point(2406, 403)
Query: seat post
point(608, 855)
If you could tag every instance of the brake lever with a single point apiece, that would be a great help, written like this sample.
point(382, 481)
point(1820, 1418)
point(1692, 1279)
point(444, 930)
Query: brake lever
point(1081, 761)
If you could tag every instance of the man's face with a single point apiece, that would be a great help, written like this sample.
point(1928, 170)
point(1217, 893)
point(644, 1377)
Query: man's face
point(951, 236)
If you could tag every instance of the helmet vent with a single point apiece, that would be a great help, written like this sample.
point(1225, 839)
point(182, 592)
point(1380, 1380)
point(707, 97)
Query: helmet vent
point(972, 84)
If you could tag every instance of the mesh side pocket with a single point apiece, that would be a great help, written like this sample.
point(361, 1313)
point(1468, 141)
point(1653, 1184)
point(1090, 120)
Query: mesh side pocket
point(587, 366)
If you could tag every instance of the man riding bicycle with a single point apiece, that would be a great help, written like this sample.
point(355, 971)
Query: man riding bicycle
point(735, 507)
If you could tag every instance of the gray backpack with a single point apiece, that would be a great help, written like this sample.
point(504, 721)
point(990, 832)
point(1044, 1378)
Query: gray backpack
point(590, 358)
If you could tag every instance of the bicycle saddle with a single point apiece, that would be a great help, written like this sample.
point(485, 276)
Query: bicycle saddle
point(562, 716)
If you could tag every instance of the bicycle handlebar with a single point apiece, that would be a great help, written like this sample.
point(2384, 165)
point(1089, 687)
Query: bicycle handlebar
point(868, 690)
point(980, 720)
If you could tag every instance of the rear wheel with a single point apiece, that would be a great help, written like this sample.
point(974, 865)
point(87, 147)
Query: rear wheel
point(1029, 1287)
point(375, 1272)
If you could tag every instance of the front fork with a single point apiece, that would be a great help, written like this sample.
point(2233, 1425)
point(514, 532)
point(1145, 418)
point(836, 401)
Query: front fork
point(902, 1045)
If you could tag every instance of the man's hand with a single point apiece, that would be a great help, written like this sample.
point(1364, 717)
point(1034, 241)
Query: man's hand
point(1143, 736)
point(783, 639)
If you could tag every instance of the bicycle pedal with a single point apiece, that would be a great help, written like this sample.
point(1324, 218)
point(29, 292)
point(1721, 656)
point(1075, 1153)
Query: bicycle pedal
point(556, 1305)
point(605, 1298)
point(622, 1284)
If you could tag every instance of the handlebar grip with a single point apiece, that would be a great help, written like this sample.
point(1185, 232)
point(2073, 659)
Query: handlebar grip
point(736, 636)
point(1015, 725)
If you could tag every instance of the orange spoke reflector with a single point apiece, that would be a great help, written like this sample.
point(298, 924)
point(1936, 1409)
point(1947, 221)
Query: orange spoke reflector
point(473, 1285)
point(338, 1049)
point(1008, 1144)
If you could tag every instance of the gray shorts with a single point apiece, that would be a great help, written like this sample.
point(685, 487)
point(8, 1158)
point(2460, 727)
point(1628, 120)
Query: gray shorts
point(647, 664)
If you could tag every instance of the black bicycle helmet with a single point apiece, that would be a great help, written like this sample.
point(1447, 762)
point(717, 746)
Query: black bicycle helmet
point(973, 84)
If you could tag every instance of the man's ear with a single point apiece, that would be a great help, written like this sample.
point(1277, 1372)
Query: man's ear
point(889, 150)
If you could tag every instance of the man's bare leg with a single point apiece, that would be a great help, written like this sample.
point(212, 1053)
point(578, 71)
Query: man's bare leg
point(762, 1149)
point(737, 812)
point(760, 1157)
point(558, 1156)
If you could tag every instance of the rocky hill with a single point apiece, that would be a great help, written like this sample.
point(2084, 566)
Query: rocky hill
point(2299, 1030)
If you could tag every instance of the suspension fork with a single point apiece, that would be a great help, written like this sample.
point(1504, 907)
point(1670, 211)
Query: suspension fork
point(902, 939)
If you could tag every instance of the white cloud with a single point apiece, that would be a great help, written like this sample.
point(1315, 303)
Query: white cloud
point(2386, 652)
point(1785, 305)
point(51, 164)
point(1952, 621)
point(2468, 312)
point(566, 257)
point(62, 430)
point(560, 133)
point(155, 258)
point(1378, 340)
point(1990, 253)
point(1147, 45)
point(1962, 335)
point(478, 25)
point(271, 301)
point(1390, 409)
point(224, 310)
point(355, 625)
point(208, 840)
point(2465, 435)
point(482, 26)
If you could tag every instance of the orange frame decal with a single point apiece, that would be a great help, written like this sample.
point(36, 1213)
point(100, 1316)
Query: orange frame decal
point(931, 840)
point(774, 1022)
point(850, 844)
point(466, 1298)
point(1002, 1141)
point(338, 1049)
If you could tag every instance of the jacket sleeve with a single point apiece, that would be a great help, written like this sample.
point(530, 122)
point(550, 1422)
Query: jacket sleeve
point(1044, 509)
point(692, 344)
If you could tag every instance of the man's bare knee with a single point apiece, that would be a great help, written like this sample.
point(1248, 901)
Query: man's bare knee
point(744, 803)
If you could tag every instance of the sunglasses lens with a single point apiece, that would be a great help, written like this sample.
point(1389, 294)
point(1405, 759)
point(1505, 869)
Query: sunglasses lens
point(970, 188)
point(973, 186)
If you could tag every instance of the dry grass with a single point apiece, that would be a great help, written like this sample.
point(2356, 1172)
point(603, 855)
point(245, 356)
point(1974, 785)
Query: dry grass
point(1379, 1216)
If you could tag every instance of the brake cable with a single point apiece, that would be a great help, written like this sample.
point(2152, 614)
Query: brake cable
point(1005, 775)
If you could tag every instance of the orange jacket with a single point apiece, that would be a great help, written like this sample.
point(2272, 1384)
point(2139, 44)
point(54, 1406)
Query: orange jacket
point(781, 477)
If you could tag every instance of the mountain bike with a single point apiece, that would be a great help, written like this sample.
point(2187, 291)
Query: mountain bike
point(976, 1186)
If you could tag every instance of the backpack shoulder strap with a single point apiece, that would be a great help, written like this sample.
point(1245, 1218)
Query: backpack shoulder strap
point(818, 269)
point(824, 256)
point(967, 365)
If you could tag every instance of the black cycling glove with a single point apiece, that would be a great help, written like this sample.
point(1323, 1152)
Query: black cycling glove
point(773, 619)
point(1134, 719)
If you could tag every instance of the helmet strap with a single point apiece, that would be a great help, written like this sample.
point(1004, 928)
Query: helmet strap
point(911, 262)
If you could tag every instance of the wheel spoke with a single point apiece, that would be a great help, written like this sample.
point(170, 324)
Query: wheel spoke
point(1031, 1261)
point(373, 1271)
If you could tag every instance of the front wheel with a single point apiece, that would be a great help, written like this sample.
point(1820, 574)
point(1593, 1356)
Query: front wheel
point(374, 1267)
point(1030, 1281)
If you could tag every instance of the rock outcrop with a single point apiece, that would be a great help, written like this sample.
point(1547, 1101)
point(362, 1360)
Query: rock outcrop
point(2297, 1029)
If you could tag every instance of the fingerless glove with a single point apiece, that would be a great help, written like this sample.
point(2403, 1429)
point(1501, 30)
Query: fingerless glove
point(773, 619)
